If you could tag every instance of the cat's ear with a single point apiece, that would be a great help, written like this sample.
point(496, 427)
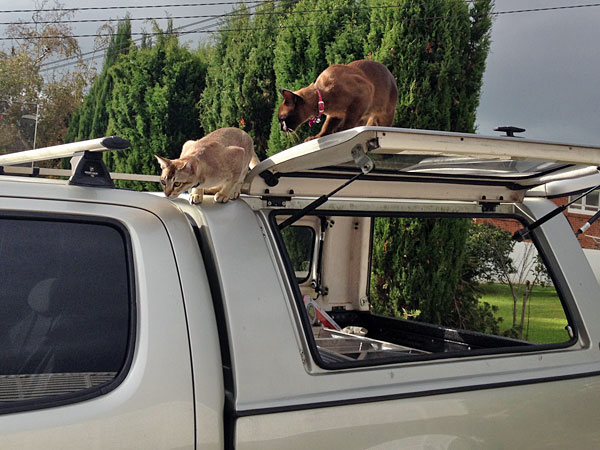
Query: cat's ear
point(164, 162)
point(289, 96)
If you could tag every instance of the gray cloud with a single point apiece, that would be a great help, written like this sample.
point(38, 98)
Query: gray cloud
point(542, 73)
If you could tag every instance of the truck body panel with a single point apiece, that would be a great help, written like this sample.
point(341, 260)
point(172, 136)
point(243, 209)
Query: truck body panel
point(153, 407)
point(220, 349)
point(533, 417)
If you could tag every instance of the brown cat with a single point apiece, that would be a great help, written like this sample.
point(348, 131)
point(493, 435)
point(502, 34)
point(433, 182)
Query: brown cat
point(363, 92)
point(218, 163)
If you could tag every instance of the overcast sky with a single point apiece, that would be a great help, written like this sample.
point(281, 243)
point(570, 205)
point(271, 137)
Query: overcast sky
point(542, 72)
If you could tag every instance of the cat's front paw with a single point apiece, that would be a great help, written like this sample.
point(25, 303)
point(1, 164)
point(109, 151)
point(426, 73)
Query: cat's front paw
point(196, 199)
point(196, 196)
point(221, 198)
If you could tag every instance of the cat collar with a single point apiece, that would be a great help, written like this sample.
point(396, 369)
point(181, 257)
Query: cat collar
point(321, 106)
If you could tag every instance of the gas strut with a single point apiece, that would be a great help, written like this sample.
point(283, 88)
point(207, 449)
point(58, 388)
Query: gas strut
point(588, 224)
point(361, 159)
point(522, 234)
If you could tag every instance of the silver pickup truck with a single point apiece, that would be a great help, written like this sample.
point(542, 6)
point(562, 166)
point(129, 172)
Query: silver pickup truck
point(132, 321)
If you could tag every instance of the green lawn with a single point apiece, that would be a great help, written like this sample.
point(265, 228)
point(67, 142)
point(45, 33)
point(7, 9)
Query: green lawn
point(547, 319)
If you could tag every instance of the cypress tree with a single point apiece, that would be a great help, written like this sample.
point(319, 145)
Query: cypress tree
point(436, 49)
point(91, 120)
point(153, 105)
point(258, 96)
point(209, 106)
point(312, 37)
point(417, 265)
point(240, 80)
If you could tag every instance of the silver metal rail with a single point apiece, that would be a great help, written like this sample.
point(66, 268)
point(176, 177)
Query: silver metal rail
point(66, 173)
point(65, 150)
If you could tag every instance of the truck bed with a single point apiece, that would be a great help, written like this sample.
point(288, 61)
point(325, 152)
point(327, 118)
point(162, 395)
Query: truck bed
point(390, 337)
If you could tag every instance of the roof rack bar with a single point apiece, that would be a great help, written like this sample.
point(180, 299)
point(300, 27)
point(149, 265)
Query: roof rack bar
point(65, 150)
point(66, 173)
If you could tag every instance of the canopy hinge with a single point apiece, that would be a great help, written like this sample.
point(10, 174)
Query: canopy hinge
point(276, 200)
point(362, 160)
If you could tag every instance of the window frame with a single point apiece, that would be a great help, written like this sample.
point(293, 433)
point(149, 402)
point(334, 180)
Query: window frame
point(311, 260)
point(104, 388)
point(584, 205)
point(461, 355)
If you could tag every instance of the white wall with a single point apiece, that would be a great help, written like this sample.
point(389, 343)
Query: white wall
point(593, 257)
point(521, 251)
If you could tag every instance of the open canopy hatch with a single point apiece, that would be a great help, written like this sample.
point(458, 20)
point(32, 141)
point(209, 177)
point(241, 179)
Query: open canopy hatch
point(426, 165)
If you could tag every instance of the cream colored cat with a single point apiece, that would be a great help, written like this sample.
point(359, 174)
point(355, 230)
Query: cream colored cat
point(216, 163)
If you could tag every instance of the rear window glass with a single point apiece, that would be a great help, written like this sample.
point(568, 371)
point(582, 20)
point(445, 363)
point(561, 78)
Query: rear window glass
point(387, 289)
point(299, 242)
point(65, 310)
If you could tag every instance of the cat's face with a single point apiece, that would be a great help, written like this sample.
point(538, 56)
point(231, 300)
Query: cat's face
point(177, 176)
point(293, 111)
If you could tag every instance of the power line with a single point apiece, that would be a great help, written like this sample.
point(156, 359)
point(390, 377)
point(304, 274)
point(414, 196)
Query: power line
point(70, 61)
point(45, 22)
point(250, 28)
point(103, 8)
point(233, 14)
point(212, 16)
point(550, 8)
point(105, 47)
point(175, 5)
point(206, 30)
point(93, 56)
point(215, 16)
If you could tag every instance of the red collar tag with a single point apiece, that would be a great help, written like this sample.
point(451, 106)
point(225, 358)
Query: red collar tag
point(321, 103)
point(321, 106)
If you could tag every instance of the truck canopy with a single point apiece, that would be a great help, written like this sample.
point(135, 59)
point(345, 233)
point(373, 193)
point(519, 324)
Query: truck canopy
point(426, 165)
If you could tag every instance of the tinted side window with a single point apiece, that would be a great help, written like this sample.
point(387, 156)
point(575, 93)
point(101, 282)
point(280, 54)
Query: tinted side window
point(64, 307)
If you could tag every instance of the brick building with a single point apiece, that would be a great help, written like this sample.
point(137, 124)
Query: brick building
point(577, 214)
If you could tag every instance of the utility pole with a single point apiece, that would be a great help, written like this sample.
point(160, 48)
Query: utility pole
point(32, 117)
point(36, 117)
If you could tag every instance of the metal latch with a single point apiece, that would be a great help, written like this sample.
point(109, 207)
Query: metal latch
point(362, 160)
point(275, 200)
